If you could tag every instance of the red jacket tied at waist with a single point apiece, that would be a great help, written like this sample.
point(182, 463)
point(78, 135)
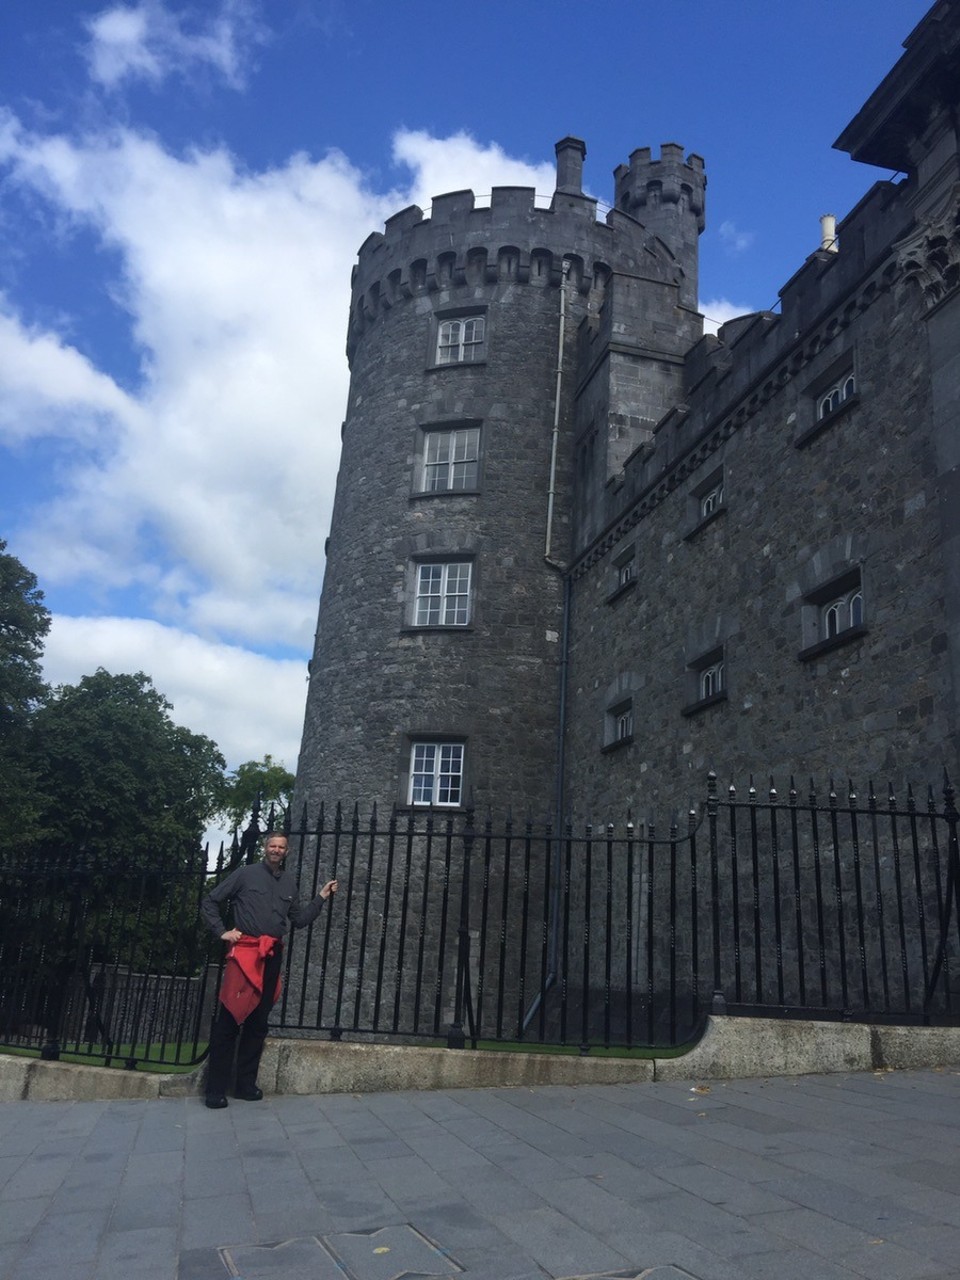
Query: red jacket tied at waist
point(242, 986)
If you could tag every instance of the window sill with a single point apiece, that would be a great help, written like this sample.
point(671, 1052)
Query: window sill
point(845, 637)
point(702, 524)
point(408, 809)
point(695, 708)
point(615, 746)
point(457, 364)
point(443, 493)
point(621, 591)
point(433, 629)
point(823, 424)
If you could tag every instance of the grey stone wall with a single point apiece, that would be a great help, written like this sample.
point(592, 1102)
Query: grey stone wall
point(377, 681)
point(801, 507)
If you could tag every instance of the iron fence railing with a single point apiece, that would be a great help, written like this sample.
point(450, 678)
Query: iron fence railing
point(106, 962)
point(454, 930)
point(824, 906)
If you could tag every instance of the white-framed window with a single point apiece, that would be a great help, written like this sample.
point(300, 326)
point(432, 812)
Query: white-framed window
point(711, 680)
point(832, 614)
point(618, 724)
point(706, 681)
point(451, 459)
point(460, 341)
point(623, 573)
point(830, 400)
point(842, 613)
point(436, 773)
point(442, 597)
point(705, 502)
point(711, 501)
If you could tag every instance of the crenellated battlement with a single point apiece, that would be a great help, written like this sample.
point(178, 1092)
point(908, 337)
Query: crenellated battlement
point(510, 240)
point(652, 232)
point(646, 184)
point(456, 219)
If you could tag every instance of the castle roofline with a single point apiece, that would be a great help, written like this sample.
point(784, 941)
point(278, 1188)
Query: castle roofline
point(889, 128)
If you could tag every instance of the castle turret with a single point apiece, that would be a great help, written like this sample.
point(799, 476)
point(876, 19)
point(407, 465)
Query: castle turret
point(667, 196)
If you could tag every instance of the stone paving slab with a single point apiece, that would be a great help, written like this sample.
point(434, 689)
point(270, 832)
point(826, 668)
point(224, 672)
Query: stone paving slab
point(852, 1177)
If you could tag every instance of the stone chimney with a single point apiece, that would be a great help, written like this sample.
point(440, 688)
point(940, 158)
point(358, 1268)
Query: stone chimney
point(570, 155)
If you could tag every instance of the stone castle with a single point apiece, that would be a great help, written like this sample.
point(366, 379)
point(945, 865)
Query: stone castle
point(581, 553)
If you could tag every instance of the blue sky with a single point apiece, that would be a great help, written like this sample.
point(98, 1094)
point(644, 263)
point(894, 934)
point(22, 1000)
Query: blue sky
point(183, 188)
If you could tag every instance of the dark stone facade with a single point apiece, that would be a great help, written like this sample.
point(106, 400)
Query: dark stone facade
point(729, 569)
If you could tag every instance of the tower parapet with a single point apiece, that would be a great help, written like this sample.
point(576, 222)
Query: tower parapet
point(511, 240)
point(666, 194)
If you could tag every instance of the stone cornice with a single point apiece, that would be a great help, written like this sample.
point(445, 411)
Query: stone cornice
point(930, 257)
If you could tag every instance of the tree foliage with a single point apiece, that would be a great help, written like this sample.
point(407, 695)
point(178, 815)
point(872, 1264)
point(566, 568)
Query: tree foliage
point(24, 622)
point(265, 782)
point(120, 780)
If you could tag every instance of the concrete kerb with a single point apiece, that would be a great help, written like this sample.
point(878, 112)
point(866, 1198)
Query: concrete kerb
point(731, 1048)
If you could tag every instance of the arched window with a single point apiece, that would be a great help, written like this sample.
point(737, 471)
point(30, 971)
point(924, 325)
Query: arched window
point(460, 341)
point(711, 500)
point(711, 680)
point(706, 682)
point(841, 613)
point(831, 400)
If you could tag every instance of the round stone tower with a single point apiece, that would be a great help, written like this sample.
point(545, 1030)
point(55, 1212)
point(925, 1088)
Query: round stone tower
point(436, 673)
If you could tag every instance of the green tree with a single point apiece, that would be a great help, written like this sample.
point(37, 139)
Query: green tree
point(125, 796)
point(120, 780)
point(110, 873)
point(24, 622)
point(265, 782)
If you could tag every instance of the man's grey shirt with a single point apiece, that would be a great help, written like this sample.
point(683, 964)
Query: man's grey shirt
point(262, 902)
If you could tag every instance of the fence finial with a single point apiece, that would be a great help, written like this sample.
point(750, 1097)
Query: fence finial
point(949, 803)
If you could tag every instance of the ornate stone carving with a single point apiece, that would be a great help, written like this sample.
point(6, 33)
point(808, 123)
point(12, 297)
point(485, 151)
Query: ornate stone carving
point(930, 257)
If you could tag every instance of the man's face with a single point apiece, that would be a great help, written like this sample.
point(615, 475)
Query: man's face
point(275, 851)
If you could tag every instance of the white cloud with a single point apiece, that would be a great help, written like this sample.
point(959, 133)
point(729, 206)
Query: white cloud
point(459, 162)
point(733, 239)
point(717, 311)
point(247, 703)
point(211, 492)
point(49, 388)
point(237, 288)
point(150, 42)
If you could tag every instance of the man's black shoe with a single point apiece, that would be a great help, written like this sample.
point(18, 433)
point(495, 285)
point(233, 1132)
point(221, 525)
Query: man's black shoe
point(216, 1101)
point(249, 1095)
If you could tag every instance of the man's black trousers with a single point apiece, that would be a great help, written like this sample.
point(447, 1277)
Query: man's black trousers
point(251, 1034)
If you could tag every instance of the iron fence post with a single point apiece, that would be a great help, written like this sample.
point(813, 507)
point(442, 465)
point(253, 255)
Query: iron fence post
point(455, 1035)
point(718, 1003)
point(951, 890)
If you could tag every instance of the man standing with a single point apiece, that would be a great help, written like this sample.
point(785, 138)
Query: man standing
point(265, 903)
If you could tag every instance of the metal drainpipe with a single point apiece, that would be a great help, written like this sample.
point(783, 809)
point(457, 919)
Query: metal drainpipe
point(554, 911)
point(556, 872)
point(561, 767)
point(551, 493)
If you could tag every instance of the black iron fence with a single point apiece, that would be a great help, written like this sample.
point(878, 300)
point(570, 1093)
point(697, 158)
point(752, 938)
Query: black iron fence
point(821, 906)
point(106, 961)
point(454, 930)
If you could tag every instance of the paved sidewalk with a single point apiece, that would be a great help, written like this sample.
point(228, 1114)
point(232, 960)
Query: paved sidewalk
point(819, 1177)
